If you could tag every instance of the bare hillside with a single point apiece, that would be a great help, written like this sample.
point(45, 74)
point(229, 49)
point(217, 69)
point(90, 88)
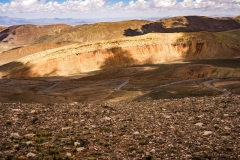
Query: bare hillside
point(146, 49)
point(29, 34)
point(19, 52)
point(186, 24)
point(110, 30)
point(116, 44)
point(237, 18)
point(98, 31)
point(2, 28)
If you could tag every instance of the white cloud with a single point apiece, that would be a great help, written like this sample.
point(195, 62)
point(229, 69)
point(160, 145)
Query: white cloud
point(210, 4)
point(162, 3)
point(115, 7)
point(138, 7)
point(139, 4)
point(28, 2)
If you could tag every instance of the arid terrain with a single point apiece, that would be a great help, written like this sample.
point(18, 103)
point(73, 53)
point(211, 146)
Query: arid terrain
point(188, 128)
point(165, 89)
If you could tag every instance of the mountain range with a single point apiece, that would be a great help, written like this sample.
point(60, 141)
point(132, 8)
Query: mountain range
point(9, 21)
point(60, 49)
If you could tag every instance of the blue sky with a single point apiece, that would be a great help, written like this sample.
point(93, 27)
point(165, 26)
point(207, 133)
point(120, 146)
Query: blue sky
point(117, 8)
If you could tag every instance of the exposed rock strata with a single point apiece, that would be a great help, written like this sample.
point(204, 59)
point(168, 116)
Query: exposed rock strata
point(146, 49)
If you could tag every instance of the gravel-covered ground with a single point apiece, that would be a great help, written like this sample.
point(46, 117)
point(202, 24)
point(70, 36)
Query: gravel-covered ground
point(188, 128)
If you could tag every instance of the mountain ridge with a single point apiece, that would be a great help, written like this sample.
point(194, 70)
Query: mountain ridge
point(111, 30)
point(109, 45)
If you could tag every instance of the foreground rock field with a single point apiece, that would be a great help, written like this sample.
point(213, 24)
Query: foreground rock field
point(188, 128)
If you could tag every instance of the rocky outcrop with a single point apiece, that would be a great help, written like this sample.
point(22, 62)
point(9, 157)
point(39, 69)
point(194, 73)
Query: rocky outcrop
point(147, 49)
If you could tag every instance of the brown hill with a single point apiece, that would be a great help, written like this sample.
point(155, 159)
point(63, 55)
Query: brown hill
point(29, 34)
point(237, 18)
point(98, 31)
point(2, 28)
point(6, 47)
point(19, 52)
point(146, 49)
point(111, 30)
point(98, 50)
point(186, 24)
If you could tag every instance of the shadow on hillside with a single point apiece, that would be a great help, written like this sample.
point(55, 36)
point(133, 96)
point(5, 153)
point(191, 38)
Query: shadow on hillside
point(20, 70)
point(132, 32)
point(228, 63)
point(166, 72)
point(6, 68)
point(118, 58)
point(194, 24)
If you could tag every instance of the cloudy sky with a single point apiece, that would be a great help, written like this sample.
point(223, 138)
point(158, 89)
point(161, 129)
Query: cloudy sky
point(116, 8)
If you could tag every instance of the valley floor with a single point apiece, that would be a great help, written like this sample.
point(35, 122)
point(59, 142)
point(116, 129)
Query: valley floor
point(183, 128)
point(177, 111)
point(66, 90)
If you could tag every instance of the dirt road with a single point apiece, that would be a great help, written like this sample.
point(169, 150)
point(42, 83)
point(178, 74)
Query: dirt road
point(209, 85)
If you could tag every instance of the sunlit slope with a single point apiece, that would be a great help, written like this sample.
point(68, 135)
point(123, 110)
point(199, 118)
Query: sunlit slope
point(19, 52)
point(2, 28)
point(98, 31)
point(112, 30)
point(155, 48)
point(29, 34)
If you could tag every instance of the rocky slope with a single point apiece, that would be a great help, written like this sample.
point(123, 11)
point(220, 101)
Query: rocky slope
point(191, 24)
point(111, 30)
point(99, 50)
point(19, 52)
point(29, 34)
point(98, 31)
point(188, 128)
point(146, 49)
point(2, 28)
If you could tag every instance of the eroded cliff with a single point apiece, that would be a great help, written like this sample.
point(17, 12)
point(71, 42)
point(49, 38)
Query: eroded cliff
point(146, 49)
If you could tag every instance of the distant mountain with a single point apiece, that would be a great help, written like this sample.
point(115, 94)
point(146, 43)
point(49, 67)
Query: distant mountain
point(4, 20)
point(28, 34)
point(60, 50)
point(9, 21)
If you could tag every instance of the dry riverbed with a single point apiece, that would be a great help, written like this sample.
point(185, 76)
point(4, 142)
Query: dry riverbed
point(187, 128)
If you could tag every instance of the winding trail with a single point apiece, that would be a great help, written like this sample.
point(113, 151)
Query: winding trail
point(182, 81)
point(124, 82)
point(209, 85)
point(118, 88)
point(52, 86)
